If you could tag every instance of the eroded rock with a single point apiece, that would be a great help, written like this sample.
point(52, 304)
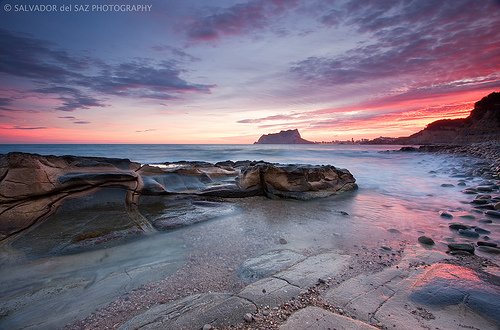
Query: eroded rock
point(32, 187)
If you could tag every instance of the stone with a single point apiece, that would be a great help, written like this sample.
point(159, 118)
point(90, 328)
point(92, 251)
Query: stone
point(481, 243)
point(468, 233)
point(193, 312)
point(489, 249)
point(296, 181)
point(268, 264)
point(497, 206)
point(481, 231)
point(480, 201)
point(426, 240)
point(270, 291)
point(32, 187)
point(282, 241)
point(447, 185)
point(492, 213)
point(461, 247)
point(445, 214)
point(485, 188)
point(469, 191)
point(457, 226)
point(248, 317)
point(315, 318)
point(207, 327)
point(307, 272)
point(431, 297)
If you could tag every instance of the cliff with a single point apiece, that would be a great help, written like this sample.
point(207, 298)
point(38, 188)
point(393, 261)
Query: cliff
point(482, 124)
point(284, 137)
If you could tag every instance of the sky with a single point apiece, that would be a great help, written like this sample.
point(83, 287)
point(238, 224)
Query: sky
point(220, 71)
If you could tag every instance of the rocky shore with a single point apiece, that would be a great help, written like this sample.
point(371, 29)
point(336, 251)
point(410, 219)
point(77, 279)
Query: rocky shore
point(398, 281)
point(32, 187)
point(489, 152)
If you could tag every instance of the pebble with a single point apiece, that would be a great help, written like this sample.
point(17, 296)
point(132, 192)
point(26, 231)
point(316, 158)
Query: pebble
point(480, 201)
point(265, 313)
point(485, 188)
point(426, 240)
point(468, 233)
point(283, 241)
point(489, 249)
point(248, 317)
point(447, 185)
point(445, 214)
point(207, 327)
point(461, 247)
point(482, 243)
point(481, 231)
point(457, 226)
point(493, 213)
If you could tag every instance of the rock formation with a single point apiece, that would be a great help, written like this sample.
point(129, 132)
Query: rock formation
point(284, 137)
point(482, 125)
point(32, 187)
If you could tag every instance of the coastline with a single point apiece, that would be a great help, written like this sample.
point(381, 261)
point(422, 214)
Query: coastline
point(402, 257)
point(488, 151)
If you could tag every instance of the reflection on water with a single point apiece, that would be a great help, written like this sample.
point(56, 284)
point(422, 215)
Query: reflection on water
point(398, 200)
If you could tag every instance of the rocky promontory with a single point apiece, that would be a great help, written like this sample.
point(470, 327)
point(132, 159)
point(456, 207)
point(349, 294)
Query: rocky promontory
point(291, 136)
point(482, 125)
point(32, 187)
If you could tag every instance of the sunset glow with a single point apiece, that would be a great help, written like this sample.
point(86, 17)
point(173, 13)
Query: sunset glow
point(229, 71)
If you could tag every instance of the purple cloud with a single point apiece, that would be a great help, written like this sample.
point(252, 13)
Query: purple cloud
point(29, 128)
point(237, 19)
point(70, 79)
point(425, 43)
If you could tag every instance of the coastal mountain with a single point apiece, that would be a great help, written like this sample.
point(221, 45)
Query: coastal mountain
point(291, 136)
point(482, 124)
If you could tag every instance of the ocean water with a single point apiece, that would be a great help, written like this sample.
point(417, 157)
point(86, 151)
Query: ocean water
point(399, 198)
point(374, 166)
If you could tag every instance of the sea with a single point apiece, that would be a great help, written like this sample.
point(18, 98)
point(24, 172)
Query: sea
point(378, 167)
point(400, 197)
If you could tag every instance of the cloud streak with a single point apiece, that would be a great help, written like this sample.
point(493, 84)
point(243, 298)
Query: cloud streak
point(74, 81)
point(422, 44)
point(236, 20)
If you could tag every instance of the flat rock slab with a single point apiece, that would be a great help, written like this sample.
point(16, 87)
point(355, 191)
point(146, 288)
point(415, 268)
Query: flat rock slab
point(193, 312)
point(315, 318)
point(307, 272)
point(268, 264)
point(440, 296)
point(270, 292)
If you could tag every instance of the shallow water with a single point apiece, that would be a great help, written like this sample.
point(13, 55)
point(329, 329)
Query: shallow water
point(397, 201)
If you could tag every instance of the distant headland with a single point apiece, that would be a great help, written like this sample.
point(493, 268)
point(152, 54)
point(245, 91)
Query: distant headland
point(291, 136)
